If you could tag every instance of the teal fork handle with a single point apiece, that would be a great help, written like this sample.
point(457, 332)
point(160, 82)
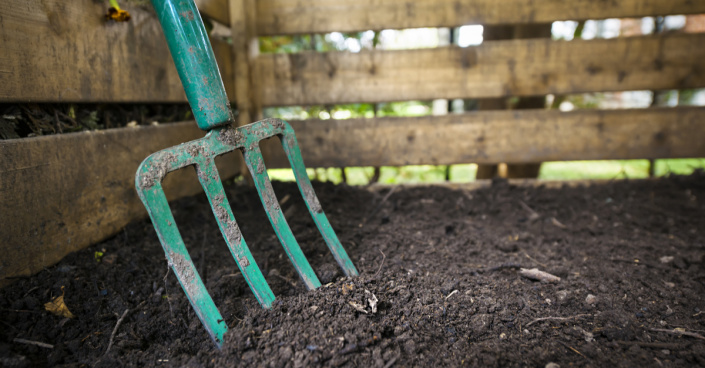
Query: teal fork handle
point(192, 53)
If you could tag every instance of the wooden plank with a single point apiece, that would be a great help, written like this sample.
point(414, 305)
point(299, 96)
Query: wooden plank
point(216, 10)
point(494, 69)
point(486, 183)
point(275, 17)
point(224, 57)
point(62, 193)
point(518, 136)
point(65, 51)
point(241, 13)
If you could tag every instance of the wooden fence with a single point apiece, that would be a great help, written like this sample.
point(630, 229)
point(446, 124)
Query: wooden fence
point(62, 193)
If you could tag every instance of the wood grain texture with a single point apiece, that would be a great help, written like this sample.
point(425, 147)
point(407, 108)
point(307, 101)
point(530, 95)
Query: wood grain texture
point(65, 192)
point(216, 10)
point(494, 69)
point(65, 51)
point(224, 58)
point(275, 17)
point(517, 136)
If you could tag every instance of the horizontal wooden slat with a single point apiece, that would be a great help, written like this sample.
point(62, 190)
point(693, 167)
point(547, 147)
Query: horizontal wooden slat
point(493, 69)
point(519, 136)
point(65, 51)
point(319, 16)
point(62, 193)
point(216, 10)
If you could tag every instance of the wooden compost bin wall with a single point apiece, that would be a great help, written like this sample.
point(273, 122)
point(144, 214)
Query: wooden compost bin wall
point(494, 69)
point(63, 193)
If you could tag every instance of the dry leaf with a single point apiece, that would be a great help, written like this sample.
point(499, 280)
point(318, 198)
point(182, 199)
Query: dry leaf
point(58, 307)
point(117, 15)
point(358, 307)
point(372, 302)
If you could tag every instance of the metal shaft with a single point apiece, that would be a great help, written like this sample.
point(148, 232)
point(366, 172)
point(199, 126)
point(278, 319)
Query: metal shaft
point(193, 56)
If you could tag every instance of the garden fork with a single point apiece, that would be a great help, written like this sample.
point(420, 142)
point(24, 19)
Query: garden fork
point(193, 56)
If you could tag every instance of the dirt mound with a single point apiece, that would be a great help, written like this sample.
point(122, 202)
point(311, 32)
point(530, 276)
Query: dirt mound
point(440, 283)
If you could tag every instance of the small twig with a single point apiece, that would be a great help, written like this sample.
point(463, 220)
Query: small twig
point(57, 122)
point(654, 345)
point(9, 325)
point(380, 264)
point(202, 265)
point(284, 200)
point(291, 282)
point(557, 318)
point(20, 311)
point(379, 206)
point(166, 291)
point(557, 223)
point(679, 332)
point(533, 215)
point(35, 343)
point(391, 362)
point(29, 291)
point(533, 259)
point(73, 121)
point(117, 325)
point(538, 275)
point(572, 348)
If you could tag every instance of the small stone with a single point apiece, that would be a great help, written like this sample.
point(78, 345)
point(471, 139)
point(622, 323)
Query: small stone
point(666, 259)
point(562, 295)
point(552, 365)
point(502, 336)
point(591, 299)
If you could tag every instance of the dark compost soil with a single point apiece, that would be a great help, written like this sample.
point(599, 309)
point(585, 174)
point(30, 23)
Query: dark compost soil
point(443, 264)
point(31, 120)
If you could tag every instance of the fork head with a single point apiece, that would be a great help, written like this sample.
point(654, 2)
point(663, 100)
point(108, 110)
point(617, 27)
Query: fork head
point(201, 154)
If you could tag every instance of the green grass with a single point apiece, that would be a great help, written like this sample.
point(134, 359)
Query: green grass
point(569, 170)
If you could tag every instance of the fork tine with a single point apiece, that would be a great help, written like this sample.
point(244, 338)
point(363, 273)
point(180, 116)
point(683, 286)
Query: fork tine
point(293, 153)
point(210, 180)
point(255, 162)
point(178, 257)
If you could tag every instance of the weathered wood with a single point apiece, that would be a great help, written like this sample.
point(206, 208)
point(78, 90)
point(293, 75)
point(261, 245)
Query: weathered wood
point(62, 193)
point(494, 69)
point(243, 34)
point(65, 51)
point(503, 32)
point(517, 136)
point(224, 57)
point(486, 183)
point(216, 10)
point(245, 47)
point(276, 17)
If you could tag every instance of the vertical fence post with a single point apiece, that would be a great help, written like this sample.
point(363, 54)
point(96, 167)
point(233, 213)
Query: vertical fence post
point(245, 49)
